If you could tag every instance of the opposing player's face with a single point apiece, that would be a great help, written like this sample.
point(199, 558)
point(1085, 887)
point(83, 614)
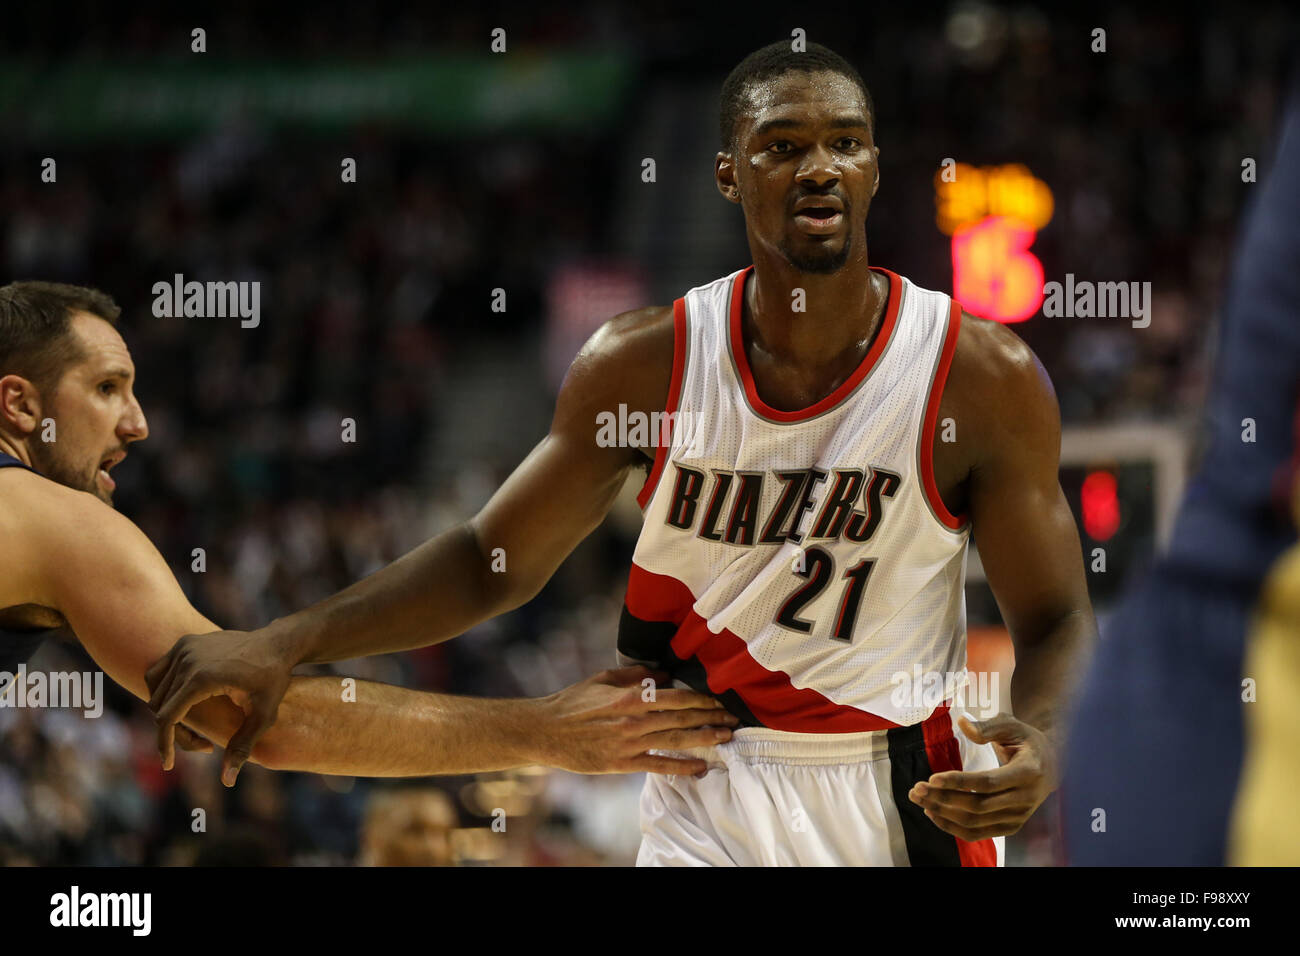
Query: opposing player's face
point(805, 168)
point(95, 412)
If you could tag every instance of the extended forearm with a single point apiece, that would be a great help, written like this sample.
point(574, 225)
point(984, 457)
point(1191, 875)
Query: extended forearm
point(1048, 672)
point(377, 730)
point(435, 592)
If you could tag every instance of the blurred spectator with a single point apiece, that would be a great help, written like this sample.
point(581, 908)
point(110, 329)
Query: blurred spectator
point(408, 827)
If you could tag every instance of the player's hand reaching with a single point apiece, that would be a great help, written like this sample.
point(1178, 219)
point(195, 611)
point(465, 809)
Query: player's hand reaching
point(607, 723)
point(248, 668)
point(976, 805)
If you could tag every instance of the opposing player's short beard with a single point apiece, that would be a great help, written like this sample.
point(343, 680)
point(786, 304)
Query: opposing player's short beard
point(47, 463)
point(823, 263)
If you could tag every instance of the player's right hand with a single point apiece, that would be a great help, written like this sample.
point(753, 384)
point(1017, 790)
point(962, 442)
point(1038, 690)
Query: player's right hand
point(248, 668)
point(609, 722)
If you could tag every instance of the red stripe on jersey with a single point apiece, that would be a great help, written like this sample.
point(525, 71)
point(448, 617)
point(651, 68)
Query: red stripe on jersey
point(769, 694)
point(657, 597)
point(737, 346)
point(931, 416)
point(944, 753)
point(663, 441)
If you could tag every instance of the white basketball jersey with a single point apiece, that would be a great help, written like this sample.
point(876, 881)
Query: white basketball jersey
point(801, 565)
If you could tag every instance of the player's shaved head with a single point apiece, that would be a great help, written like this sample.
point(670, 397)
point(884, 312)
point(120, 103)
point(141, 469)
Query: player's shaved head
point(36, 335)
point(775, 60)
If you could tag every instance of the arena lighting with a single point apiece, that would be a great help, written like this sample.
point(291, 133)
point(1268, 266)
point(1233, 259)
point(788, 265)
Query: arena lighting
point(993, 215)
point(1100, 505)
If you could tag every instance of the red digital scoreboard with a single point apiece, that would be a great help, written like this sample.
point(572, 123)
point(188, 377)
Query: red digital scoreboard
point(993, 215)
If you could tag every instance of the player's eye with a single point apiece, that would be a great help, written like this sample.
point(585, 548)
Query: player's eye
point(107, 388)
point(849, 143)
point(780, 146)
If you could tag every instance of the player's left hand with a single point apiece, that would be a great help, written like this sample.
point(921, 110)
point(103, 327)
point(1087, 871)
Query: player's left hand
point(976, 805)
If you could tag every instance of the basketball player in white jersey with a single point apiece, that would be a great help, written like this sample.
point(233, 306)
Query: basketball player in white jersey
point(805, 527)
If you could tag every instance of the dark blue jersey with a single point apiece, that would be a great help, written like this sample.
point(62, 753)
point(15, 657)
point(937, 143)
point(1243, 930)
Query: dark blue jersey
point(16, 647)
point(1234, 520)
point(1163, 697)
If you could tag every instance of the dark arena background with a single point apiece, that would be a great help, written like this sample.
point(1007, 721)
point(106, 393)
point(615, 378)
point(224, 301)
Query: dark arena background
point(437, 228)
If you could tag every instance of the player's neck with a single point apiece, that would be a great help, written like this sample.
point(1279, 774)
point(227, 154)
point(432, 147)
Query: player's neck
point(15, 449)
point(840, 312)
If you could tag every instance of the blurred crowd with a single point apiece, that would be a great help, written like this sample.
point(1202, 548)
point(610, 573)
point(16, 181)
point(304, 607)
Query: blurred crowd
point(376, 292)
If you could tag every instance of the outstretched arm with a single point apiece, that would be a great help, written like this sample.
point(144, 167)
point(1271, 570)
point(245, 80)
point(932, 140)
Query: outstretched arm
point(553, 500)
point(556, 497)
point(99, 570)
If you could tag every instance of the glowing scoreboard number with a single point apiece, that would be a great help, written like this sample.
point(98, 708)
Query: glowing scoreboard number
point(993, 214)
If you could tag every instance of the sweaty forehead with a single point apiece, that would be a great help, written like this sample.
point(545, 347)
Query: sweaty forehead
point(800, 95)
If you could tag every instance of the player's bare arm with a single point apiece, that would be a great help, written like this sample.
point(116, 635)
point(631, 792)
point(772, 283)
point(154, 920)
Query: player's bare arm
point(1002, 471)
point(72, 555)
point(555, 498)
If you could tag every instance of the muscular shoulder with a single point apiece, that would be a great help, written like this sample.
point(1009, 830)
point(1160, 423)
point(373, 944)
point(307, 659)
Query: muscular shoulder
point(53, 532)
point(999, 395)
point(628, 361)
point(630, 356)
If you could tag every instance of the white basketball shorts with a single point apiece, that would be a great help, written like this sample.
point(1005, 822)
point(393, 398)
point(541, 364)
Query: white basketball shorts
point(771, 798)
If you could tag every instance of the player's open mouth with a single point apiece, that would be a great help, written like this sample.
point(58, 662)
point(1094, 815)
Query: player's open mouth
point(106, 466)
point(819, 220)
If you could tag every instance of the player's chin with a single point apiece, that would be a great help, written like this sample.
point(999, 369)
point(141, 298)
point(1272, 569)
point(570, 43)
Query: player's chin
point(102, 486)
point(817, 255)
point(103, 494)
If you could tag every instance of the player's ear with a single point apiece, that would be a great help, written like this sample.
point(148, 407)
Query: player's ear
point(20, 405)
point(724, 174)
point(876, 185)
